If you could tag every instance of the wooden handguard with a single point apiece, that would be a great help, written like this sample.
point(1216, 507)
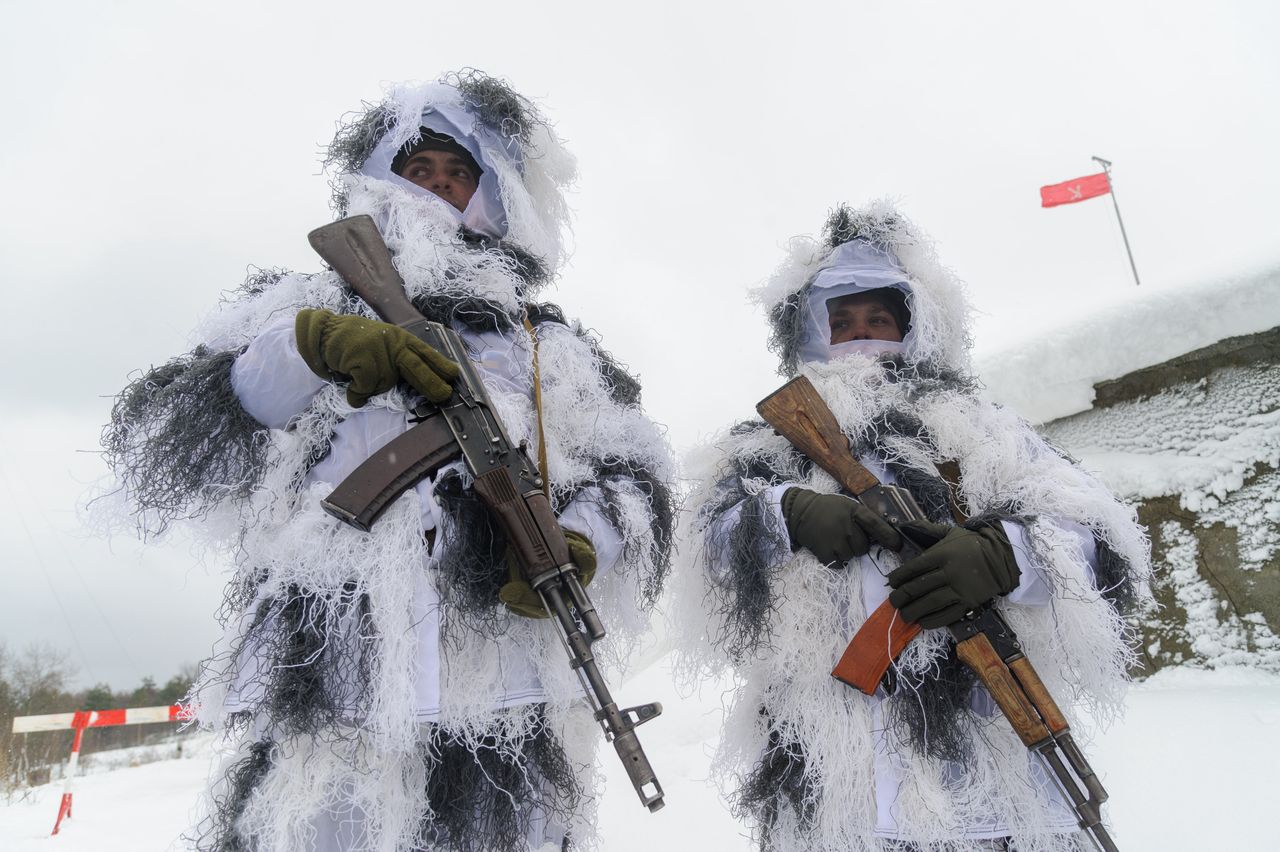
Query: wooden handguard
point(1039, 695)
point(978, 654)
point(874, 648)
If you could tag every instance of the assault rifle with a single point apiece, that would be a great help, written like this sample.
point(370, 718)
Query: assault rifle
point(504, 477)
point(984, 642)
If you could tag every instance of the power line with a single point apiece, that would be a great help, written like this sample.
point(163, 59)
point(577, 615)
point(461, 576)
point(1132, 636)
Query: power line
point(137, 670)
point(44, 571)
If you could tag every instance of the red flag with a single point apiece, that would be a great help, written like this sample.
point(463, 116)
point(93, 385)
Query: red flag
point(1075, 190)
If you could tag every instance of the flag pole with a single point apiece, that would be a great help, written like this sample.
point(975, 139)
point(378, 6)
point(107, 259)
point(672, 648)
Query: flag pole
point(1106, 167)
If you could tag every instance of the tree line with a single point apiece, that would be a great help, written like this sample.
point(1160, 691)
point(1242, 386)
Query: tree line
point(36, 680)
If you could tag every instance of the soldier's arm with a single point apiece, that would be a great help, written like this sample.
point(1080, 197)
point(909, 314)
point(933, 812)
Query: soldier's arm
point(272, 381)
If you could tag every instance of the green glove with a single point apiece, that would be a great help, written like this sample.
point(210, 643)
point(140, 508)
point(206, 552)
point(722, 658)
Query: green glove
point(963, 571)
point(372, 356)
point(833, 527)
point(519, 597)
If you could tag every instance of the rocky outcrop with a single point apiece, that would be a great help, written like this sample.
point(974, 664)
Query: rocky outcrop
point(1194, 442)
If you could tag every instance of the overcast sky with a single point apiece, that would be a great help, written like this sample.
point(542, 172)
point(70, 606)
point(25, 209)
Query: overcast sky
point(154, 150)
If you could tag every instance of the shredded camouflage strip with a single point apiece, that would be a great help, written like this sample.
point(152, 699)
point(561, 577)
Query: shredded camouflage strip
point(483, 794)
point(180, 442)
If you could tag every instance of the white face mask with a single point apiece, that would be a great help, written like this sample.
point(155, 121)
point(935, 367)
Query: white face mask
point(865, 348)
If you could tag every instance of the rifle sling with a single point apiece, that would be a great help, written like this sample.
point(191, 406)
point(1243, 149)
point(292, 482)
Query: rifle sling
point(950, 470)
point(537, 410)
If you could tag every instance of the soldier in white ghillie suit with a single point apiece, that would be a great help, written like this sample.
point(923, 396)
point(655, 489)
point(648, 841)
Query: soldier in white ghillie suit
point(786, 569)
point(395, 690)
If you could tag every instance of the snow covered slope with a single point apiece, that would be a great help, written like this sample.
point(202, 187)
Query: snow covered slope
point(1052, 374)
point(135, 809)
point(1199, 440)
point(1191, 768)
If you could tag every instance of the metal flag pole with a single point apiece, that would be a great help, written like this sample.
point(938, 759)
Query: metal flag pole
point(1106, 167)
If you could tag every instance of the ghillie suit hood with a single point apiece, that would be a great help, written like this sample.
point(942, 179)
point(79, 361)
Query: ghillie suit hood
point(525, 166)
point(344, 697)
point(802, 756)
point(864, 249)
point(181, 445)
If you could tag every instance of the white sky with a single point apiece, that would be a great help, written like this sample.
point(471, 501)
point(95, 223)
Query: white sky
point(153, 150)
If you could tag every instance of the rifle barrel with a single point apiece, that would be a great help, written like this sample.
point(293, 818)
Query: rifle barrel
point(1087, 808)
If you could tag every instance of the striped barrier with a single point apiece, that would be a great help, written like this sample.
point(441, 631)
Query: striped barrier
point(82, 719)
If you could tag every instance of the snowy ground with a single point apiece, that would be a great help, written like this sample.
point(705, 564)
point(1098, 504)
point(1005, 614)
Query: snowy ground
point(1191, 767)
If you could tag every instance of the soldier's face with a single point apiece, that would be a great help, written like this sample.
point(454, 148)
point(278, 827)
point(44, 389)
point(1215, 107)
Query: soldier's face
point(443, 174)
point(861, 316)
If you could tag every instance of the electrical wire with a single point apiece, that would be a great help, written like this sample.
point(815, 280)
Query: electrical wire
point(44, 570)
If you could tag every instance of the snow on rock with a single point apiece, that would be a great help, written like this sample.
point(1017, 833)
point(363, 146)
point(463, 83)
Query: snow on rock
point(1200, 458)
point(1052, 374)
point(1254, 513)
point(1200, 441)
point(1216, 633)
point(1194, 442)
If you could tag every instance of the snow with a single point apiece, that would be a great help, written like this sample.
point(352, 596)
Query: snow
point(1049, 372)
point(1214, 444)
point(1200, 440)
point(107, 761)
point(1190, 767)
point(128, 810)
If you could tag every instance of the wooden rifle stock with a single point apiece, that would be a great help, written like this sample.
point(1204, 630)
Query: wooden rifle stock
point(801, 415)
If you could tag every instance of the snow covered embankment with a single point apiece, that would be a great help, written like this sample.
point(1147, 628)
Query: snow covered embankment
point(1190, 432)
point(1052, 374)
point(1190, 768)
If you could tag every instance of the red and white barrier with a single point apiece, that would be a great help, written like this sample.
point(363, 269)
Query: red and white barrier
point(82, 719)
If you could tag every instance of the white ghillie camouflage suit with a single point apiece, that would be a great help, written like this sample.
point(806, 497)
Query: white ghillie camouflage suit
point(811, 763)
point(375, 695)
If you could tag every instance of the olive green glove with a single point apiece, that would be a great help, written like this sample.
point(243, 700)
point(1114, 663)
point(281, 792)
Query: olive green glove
point(519, 597)
point(371, 356)
point(833, 527)
point(961, 572)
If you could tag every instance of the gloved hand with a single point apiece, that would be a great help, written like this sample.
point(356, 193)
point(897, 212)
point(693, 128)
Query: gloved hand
point(372, 356)
point(962, 571)
point(519, 597)
point(833, 527)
